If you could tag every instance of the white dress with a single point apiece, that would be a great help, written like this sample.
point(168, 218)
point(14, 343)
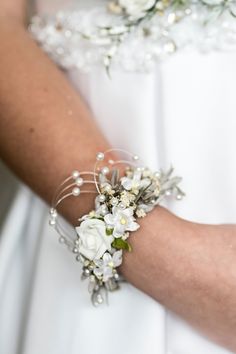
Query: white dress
point(183, 112)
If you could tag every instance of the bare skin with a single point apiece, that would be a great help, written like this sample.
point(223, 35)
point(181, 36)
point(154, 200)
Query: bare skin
point(44, 126)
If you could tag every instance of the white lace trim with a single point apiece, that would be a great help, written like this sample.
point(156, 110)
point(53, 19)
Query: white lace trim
point(77, 39)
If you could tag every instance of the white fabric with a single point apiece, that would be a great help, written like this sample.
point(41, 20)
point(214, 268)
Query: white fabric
point(182, 113)
point(201, 27)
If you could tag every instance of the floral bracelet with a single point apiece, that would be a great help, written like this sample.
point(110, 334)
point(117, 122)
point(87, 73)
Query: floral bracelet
point(101, 238)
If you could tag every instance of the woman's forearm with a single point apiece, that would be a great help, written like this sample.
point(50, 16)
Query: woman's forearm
point(46, 131)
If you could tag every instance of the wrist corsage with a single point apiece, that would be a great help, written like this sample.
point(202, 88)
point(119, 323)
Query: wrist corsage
point(102, 236)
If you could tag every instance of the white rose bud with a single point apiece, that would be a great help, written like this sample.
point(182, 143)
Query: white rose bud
point(93, 240)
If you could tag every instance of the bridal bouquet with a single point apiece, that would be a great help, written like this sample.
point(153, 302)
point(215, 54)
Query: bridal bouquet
point(135, 33)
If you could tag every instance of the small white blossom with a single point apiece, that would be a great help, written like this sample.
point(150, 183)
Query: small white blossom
point(93, 240)
point(136, 8)
point(140, 213)
point(121, 220)
point(147, 173)
point(157, 191)
point(126, 198)
point(125, 236)
point(135, 183)
point(106, 265)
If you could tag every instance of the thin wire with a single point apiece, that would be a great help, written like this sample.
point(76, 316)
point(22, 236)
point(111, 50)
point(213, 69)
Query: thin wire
point(70, 186)
point(70, 194)
point(67, 180)
point(114, 162)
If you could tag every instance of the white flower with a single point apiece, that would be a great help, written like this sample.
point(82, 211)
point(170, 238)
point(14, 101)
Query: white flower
point(126, 198)
point(121, 220)
point(140, 213)
point(135, 183)
point(94, 241)
point(106, 265)
point(136, 8)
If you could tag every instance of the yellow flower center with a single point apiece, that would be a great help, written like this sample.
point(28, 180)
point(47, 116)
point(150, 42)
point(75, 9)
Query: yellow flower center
point(123, 221)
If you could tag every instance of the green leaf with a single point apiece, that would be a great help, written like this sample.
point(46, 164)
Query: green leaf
point(109, 232)
point(97, 217)
point(120, 244)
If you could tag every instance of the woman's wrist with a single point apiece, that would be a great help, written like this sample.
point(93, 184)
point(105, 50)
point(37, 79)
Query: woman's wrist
point(162, 252)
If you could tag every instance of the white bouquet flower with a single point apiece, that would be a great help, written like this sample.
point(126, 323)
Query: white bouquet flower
point(136, 8)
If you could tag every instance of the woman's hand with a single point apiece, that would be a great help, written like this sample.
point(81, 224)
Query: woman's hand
point(190, 268)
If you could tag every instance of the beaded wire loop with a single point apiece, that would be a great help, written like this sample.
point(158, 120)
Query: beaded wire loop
point(115, 34)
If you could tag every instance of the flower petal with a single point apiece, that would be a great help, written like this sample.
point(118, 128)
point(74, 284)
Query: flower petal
point(117, 258)
point(106, 258)
point(107, 273)
point(128, 212)
point(98, 272)
point(119, 230)
point(109, 219)
point(126, 183)
point(133, 226)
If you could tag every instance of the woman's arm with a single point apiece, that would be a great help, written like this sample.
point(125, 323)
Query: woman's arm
point(190, 268)
point(46, 131)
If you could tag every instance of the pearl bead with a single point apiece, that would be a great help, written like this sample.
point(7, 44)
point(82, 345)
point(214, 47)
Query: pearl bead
point(54, 214)
point(179, 197)
point(68, 33)
point(169, 47)
point(52, 222)
point(76, 191)
point(135, 157)
point(116, 276)
point(52, 210)
point(188, 11)
point(99, 299)
point(75, 250)
point(114, 201)
point(102, 198)
point(171, 18)
point(157, 174)
point(79, 181)
point(111, 162)
point(75, 174)
point(100, 156)
point(92, 278)
point(107, 188)
point(104, 209)
point(105, 170)
point(62, 239)
point(86, 262)
point(121, 205)
point(168, 192)
point(86, 272)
